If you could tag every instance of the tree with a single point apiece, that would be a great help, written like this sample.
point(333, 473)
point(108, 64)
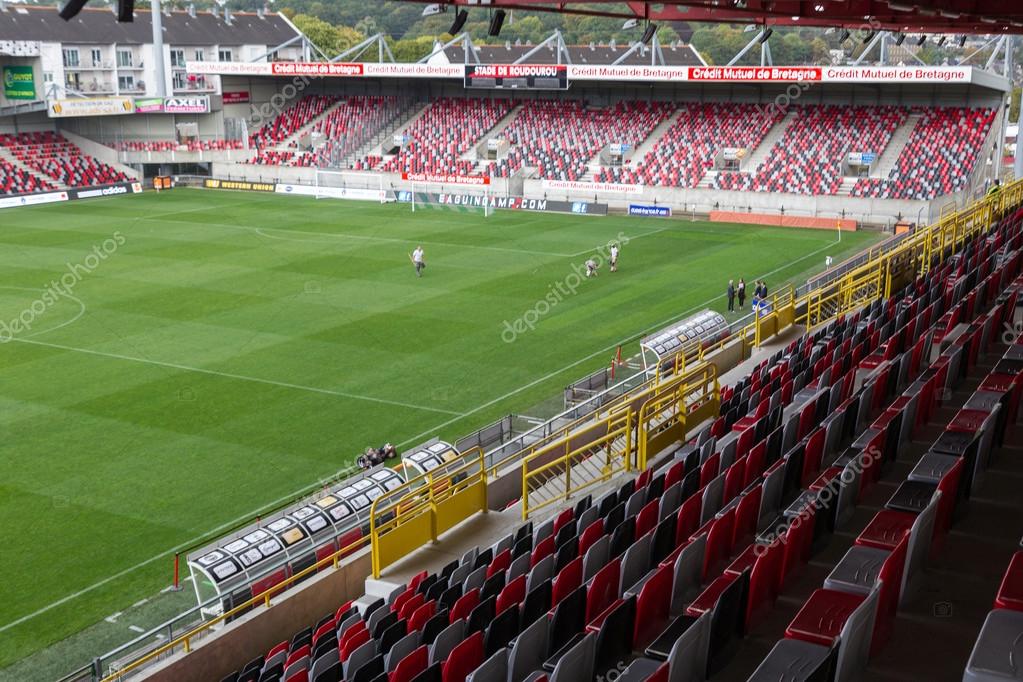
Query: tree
point(333, 40)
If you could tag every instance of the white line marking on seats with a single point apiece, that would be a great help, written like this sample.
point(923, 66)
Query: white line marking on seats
point(240, 377)
point(113, 617)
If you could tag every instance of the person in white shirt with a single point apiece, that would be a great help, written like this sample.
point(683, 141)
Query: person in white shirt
point(614, 258)
point(591, 268)
point(418, 261)
point(827, 262)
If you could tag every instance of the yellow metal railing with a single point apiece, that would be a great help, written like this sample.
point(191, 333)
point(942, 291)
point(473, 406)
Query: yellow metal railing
point(668, 415)
point(885, 271)
point(426, 506)
point(582, 459)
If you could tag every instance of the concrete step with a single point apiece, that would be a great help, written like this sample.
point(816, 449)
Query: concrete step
point(896, 145)
point(763, 150)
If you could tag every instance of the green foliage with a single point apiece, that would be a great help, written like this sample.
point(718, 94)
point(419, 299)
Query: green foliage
point(333, 40)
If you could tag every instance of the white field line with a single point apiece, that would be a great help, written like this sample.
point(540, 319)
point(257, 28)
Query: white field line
point(229, 524)
point(239, 377)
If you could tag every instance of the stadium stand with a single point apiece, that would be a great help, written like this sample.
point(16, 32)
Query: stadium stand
point(54, 156)
point(688, 149)
point(173, 145)
point(289, 121)
point(443, 133)
point(809, 157)
point(668, 572)
point(14, 180)
point(560, 137)
point(938, 158)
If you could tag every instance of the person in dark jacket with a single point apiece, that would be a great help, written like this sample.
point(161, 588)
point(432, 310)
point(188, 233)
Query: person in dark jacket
point(731, 296)
point(741, 292)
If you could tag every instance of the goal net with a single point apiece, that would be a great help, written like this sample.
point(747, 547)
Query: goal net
point(351, 185)
point(424, 195)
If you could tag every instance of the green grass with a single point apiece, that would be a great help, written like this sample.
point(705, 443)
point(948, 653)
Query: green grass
point(236, 348)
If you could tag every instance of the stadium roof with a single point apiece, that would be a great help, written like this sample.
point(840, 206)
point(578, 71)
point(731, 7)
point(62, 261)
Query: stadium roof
point(679, 55)
point(100, 26)
point(907, 16)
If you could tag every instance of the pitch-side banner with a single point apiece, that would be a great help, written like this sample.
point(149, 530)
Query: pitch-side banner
point(333, 192)
point(590, 187)
point(598, 72)
point(447, 179)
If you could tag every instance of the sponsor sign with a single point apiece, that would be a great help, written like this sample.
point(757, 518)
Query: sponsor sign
point(243, 185)
point(33, 199)
point(733, 153)
point(650, 211)
point(520, 76)
point(97, 106)
point(108, 191)
point(357, 194)
point(447, 179)
point(19, 82)
point(560, 75)
point(195, 104)
point(149, 105)
point(861, 158)
point(236, 97)
point(590, 187)
point(510, 203)
point(192, 104)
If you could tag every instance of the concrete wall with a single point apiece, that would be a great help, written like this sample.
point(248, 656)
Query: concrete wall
point(237, 643)
point(101, 152)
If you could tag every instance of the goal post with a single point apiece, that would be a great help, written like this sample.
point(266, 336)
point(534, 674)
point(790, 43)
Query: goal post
point(455, 196)
point(335, 184)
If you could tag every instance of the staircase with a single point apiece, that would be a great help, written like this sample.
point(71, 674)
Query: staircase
point(884, 166)
point(760, 154)
point(845, 189)
point(285, 144)
point(11, 159)
point(641, 150)
point(377, 148)
point(473, 154)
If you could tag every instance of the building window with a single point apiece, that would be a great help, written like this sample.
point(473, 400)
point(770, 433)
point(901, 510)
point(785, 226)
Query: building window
point(200, 56)
point(178, 58)
point(71, 57)
point(126, 83)
point(97, 57)
point(124, 58)
point(180, 82)
point(225, 56)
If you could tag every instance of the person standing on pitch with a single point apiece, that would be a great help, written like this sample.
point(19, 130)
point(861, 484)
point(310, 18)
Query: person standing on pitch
point(614, 257)
point(741, 292)
point(418, 261)
point(731, 296)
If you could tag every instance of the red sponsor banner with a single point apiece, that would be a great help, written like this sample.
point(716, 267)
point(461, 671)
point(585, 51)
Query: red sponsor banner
point(316, 69)
point(447, 179)
point(237, 97)
point(785, 74)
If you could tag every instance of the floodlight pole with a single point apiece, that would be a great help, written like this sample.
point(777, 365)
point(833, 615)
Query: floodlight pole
point(161, 71)
point(749, 46)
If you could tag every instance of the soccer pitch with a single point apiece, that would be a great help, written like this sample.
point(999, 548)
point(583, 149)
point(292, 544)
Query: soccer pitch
point(206, 355)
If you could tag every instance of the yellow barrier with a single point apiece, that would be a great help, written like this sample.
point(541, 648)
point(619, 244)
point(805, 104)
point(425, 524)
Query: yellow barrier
point(426, 506)
point(592, 455)
point(667, 416)
point(887, 271)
